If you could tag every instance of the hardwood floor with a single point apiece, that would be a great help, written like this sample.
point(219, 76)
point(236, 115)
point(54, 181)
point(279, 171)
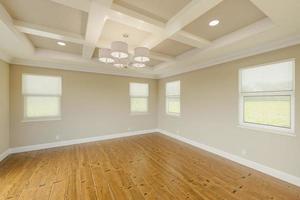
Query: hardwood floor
point(150, 166)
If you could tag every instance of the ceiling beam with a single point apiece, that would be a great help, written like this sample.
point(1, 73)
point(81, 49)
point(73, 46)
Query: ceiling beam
point(43, 31)
point(137, 20)
point(190, 39)
point(261, 26)
point(96, 20)
point(83, 5)
point(12, 41)
point(186, 15)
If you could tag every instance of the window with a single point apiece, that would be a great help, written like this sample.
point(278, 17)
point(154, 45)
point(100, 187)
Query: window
point(173, 98)
point(139, 93)
point(267, 95)
point(41, 97)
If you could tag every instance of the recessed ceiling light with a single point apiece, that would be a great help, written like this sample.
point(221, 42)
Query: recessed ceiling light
point(61, 43)
point(214, 22)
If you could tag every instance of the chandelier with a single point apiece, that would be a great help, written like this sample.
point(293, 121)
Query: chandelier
point(118, 55)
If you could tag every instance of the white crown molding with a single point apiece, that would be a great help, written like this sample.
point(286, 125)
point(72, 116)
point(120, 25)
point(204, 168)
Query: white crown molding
point(264, 48)
point(5, 57)
point(77, 141)
point(251, 164)
point(58, 60)
point(64, 61)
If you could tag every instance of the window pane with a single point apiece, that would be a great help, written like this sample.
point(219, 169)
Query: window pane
point(273, 77)
point(173, 88)
point(173, 105)
point(139, 89)
point(268, 110)
point(36, 106)
point(139, 104)
point(41, 85)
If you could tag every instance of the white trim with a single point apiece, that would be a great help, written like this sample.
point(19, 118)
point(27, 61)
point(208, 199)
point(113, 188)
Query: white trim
point(5, 57)
point(290, 131)
point(78, 141)
point(244, 53)
point(267, 129)
point(39, 119)
point(4, 154)
point(254, 165)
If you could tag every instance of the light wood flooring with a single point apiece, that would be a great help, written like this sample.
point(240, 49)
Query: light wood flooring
point(150, 166)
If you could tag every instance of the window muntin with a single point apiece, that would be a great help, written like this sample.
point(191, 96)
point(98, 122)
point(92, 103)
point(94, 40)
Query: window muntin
point(139, 93)
point(42, 96)
point(173, 98)
point(267, 96)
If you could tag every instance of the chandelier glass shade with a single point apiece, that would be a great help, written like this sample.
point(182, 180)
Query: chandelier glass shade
point(104, 56)
point(141, 54)
point(119, 49)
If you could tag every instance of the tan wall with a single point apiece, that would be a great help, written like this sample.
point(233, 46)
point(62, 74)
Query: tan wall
point(4, 107)
point(92, 105)
point(209, 104)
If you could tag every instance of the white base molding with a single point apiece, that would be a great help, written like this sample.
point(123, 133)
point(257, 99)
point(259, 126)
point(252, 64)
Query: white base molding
point(251, 164)
point(77, 141)
point(4, 154)
point(254, 165)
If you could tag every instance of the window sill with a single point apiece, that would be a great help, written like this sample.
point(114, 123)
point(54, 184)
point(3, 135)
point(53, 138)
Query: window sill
point(41, 120)
point(274, 130)
point(173, 114)
point(139, 113)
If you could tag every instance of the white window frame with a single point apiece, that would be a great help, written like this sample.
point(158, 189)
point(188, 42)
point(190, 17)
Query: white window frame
point(142, 97)
point(261, 127)
point(173, 97)
point(44, 118)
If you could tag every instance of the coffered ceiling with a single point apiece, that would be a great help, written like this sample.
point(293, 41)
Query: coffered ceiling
point(176, 31)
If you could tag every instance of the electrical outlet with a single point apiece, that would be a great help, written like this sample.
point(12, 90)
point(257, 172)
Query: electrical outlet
point(57, 137)
point(129, 129)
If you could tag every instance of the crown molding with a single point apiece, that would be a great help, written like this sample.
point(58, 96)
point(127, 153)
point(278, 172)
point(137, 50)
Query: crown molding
point(71, 62)
point(81, 68)
point(266, 47)
point(5, 57)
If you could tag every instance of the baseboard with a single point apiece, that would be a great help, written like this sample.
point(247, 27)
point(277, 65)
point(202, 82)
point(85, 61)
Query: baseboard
point(78, 141)
point(4, 154)
point(254, 165)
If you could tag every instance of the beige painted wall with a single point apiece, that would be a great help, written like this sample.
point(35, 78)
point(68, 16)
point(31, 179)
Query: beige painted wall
point(209, 104)
point(92, 105)
point(4, 107)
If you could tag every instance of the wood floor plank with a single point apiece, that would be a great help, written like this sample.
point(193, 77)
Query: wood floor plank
point(150, 167)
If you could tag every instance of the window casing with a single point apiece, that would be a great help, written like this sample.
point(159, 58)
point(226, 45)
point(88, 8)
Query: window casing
point(267, 97)
point(139, 93)
point(173, 98)
point(42, 97)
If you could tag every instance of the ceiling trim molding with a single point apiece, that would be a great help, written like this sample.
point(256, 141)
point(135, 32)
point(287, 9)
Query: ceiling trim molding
point(97, 17)
point(64, 61)
point(91, 66)
point(186, 15)
point(251, 30)
point(267, 47)
point(5, 57)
